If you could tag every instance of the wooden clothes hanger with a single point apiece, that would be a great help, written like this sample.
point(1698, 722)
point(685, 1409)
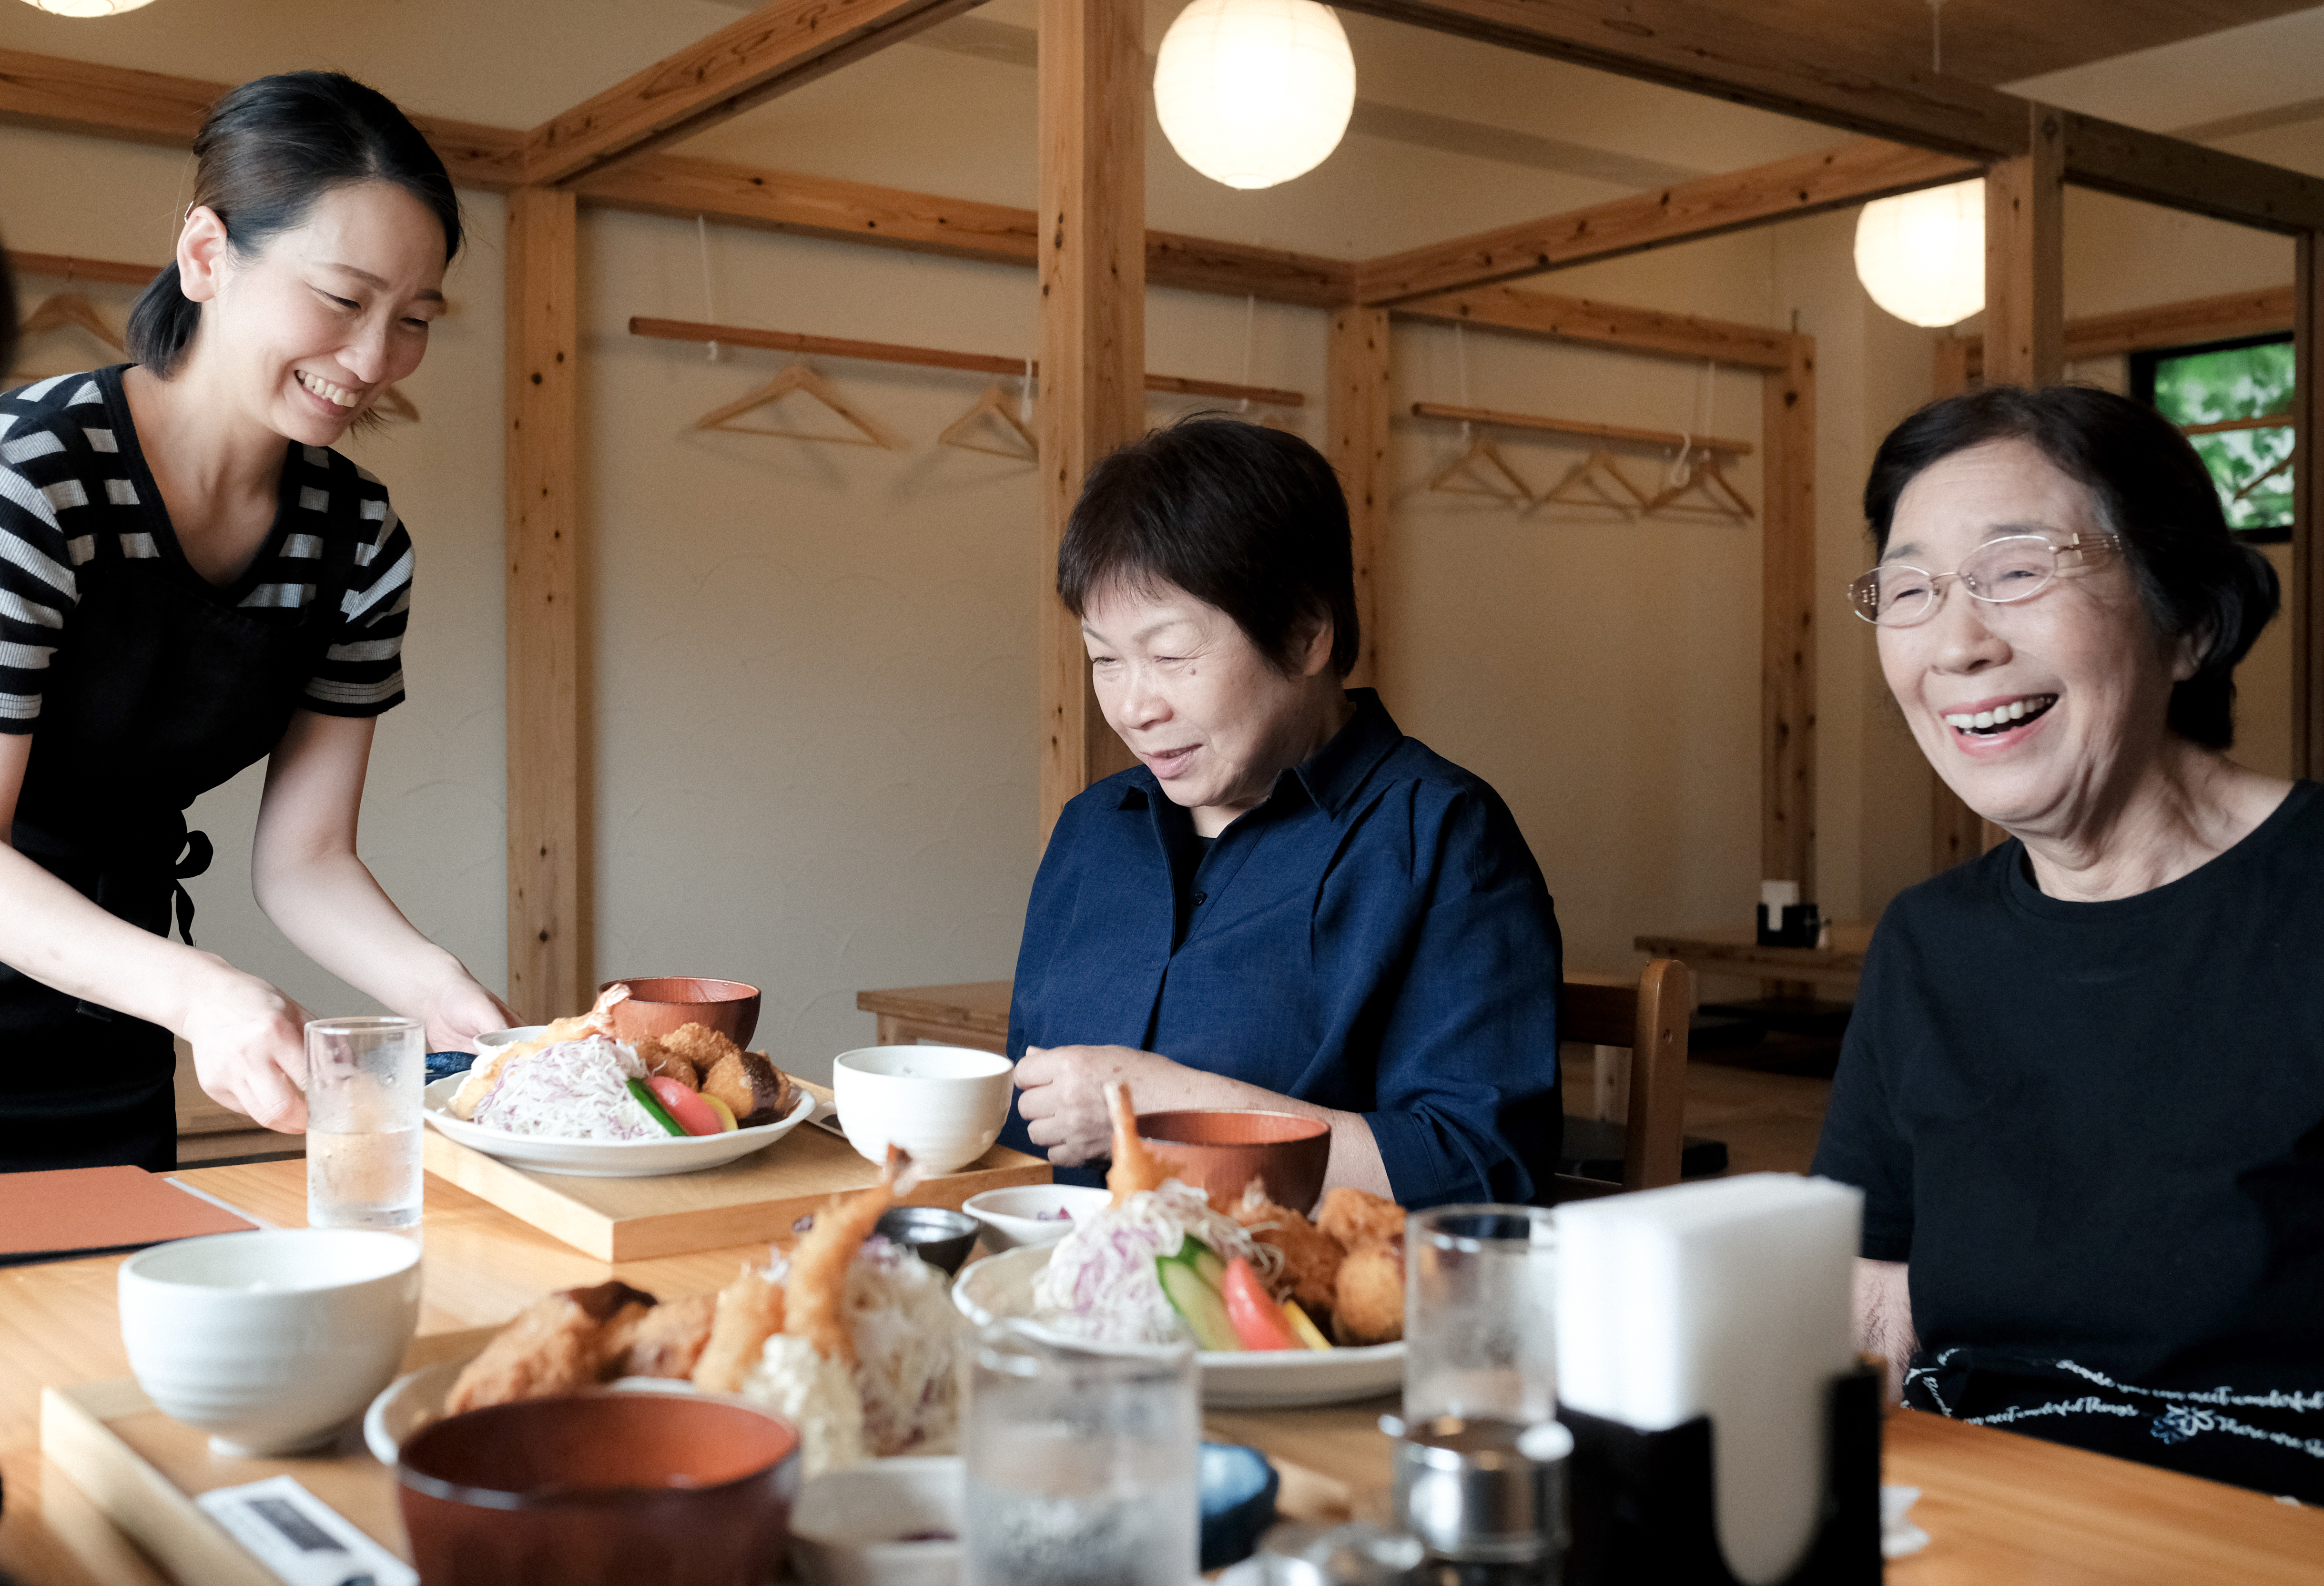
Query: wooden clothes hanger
point(1481, 470)
point(69, 309)
point(1720, 498)
point(797, 377)
point(1015, 439)
point(1597, 481)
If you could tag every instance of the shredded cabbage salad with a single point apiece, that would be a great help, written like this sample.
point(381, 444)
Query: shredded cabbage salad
point(1100, 1283)
point(572, 1091)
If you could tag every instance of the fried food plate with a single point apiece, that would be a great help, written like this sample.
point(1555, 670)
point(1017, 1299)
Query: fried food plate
point(1001, 1285)
point(607, 1158)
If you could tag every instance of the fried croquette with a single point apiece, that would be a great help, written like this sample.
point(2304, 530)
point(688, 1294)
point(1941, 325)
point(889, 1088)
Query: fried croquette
point(661, 1062)
point(1311, 1257)
point(556, 1344)
point(669, 1339)
point(1367, 1305)
point(1355, 1218)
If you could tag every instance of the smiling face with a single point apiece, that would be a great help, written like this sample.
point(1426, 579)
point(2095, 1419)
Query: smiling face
point(1196, 700)
point(303, 333)
point(2038, 714)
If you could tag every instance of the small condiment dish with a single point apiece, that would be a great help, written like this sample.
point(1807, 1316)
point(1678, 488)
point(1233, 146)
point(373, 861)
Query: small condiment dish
point(1033, 1214)
point(271, 1340)
point(943, 1104)
point(891, 1523)
point(937, 1236)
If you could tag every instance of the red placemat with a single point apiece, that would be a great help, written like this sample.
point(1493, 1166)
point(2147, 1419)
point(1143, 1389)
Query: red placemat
point(83, 1211)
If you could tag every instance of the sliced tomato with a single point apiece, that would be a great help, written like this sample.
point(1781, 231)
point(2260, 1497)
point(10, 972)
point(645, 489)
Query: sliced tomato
point(1257, 1320)
point(685, 1106)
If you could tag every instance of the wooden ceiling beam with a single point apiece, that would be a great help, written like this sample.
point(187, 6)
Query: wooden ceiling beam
point(777, 48)
point(2189, 322)
point(1752, 57)
point(1608, 325)
point(681, 186)
point(57, 95)
point(1808, 184)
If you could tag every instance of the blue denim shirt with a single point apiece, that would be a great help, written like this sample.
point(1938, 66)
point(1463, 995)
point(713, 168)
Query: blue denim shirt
point(1375, 938)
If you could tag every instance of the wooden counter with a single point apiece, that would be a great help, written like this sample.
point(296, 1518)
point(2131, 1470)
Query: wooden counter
point(2002, 1508)
point(975, 1014)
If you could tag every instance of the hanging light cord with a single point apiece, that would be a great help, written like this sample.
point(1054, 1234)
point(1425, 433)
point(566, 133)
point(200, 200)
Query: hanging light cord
point(1936, 38)
point(709, 304)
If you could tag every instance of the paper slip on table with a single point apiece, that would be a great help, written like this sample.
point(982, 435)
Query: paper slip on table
point(757, 1197)
point(144, 1471)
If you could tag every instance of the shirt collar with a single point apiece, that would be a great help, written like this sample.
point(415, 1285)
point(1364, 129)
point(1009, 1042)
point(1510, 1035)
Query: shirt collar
point(1331, 777)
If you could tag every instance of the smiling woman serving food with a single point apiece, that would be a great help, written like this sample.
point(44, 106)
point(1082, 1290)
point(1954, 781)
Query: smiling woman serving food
point(191, 582)
point(1287, 904)
point(2083, 1088)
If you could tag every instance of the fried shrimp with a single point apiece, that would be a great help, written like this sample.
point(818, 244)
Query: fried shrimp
point(1311, 1257)
point(815, 1292)
point(560, 1343)
point(1134, 1168)
point(747, 1313)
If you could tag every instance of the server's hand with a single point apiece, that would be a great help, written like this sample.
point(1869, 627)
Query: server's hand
point(250, 1050)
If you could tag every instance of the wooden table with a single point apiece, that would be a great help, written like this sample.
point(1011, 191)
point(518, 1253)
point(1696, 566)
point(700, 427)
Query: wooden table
point(2002, 1508)
point(975, 1014)
point(1738, 953)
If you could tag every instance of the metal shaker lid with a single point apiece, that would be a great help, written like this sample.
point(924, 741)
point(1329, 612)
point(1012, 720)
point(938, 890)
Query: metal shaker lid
point(1490, 1491)
point(1358, 1555)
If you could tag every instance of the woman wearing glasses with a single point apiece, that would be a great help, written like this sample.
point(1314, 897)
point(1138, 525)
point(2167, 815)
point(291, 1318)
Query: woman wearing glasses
point(2083, 1090)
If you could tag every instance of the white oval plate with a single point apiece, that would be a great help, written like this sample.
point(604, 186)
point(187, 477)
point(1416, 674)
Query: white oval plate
point(416, 1398)
point(607, 1158)
point(1003, 1286)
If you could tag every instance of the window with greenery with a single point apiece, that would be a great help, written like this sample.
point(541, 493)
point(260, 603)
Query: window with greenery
point(2222, 395)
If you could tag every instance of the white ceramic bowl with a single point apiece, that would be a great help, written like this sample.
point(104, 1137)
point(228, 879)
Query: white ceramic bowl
point(1026, 1213)
point(844, 1526)
point(273, 1341)
point(493, 1040)
point(943, 1104)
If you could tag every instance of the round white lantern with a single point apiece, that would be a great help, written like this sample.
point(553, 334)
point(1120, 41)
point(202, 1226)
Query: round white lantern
point(1254, 92)
point(87, 7)
point(1922, 255)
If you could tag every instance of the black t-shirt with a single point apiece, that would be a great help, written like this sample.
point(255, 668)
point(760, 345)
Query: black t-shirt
point(2096, 1131)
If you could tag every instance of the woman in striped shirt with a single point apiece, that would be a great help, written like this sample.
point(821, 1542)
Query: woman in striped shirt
point(190, 582)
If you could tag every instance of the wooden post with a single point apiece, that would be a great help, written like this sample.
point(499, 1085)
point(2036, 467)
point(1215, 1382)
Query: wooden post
point(2025, 260)
point(1787, 649)
point(547, 950)
point(1356, 410)
point(1093, 265)
point(2306, 595)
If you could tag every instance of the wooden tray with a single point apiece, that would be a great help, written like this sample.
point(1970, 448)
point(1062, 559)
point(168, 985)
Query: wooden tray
point(144, 1471)
point(756, 1198)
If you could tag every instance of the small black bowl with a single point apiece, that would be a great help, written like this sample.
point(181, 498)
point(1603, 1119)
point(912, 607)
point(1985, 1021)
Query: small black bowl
point(940, 1238)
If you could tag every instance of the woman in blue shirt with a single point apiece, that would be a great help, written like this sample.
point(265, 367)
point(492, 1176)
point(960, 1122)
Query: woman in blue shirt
point(1287, 904)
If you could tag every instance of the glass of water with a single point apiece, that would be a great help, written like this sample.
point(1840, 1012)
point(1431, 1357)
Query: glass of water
point(1081, 1465)
point(364, 1080)
point(1480, 1324)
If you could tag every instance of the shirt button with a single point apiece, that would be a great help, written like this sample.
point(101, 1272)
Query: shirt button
point(1200, 898)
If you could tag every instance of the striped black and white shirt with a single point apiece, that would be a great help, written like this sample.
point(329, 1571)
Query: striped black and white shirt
point(74, 502)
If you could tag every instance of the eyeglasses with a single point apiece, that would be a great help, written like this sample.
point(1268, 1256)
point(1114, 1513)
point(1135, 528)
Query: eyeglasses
point(2000, 572)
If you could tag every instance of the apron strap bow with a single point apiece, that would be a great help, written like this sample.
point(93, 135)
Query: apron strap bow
point(193, 862)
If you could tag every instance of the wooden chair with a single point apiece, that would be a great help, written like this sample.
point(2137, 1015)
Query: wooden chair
point(1650, 1019)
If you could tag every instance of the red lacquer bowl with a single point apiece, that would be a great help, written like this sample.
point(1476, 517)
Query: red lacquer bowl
point(1223, 1150)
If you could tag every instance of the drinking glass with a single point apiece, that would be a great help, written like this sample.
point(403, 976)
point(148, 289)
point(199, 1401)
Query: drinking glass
point(1080, 1464)
point(364, 1080)
point(1479, 1325)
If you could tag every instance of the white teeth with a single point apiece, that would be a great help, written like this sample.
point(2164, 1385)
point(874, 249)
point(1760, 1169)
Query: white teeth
point(337, 395)
point(2001, 715)
point(1983, 719)
point(2018, 710)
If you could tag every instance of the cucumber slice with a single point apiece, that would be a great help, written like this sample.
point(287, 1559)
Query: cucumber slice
point(1205, 1262)
point(1206, 1312)
point(654, 1109)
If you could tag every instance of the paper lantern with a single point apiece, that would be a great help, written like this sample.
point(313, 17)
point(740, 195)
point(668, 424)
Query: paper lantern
point(1922, 255)
point(1254, 92)
point(87, 7)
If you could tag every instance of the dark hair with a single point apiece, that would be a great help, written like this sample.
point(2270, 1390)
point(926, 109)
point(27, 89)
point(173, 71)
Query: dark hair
point(2149, 487)
point(265, 153)
point(1250, 519)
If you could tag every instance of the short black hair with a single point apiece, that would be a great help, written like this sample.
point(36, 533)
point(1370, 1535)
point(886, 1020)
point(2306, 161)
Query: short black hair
point(265, 154)
point(1250, 519)
point(2149, 487)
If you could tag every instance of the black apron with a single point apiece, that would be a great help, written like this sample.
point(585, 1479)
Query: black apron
point(162, 690)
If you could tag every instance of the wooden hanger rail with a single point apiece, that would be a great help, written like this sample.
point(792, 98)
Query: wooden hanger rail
point(72, 269)
point(1669, 438)
point(881, 352)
